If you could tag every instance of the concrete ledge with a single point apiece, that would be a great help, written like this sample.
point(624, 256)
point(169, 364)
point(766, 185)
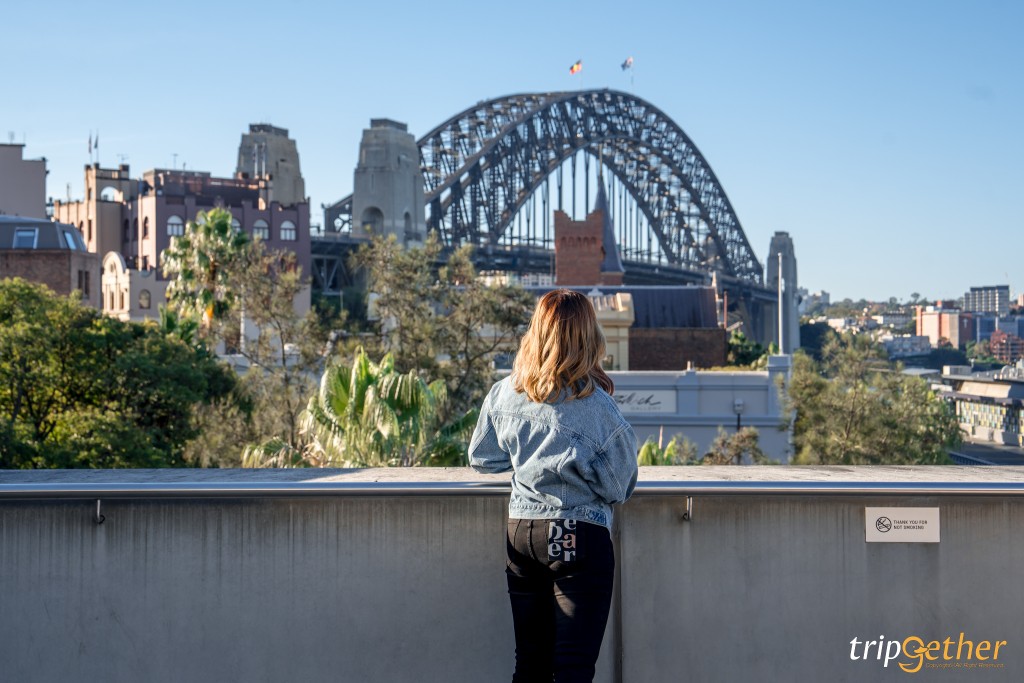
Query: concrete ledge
point(250, 483)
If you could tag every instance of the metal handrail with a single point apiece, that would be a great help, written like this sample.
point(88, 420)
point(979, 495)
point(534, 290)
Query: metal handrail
point(330, 489)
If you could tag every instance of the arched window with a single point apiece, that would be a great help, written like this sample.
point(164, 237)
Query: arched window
point(235, 225)
point(175, 226)
point(372, 220)
point(260, 230)
point(145, 227)
point(288, 233)
point(108, 194)
point(144, 299)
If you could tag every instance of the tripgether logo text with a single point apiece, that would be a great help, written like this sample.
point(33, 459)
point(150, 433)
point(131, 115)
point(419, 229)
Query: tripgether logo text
point(932, 654)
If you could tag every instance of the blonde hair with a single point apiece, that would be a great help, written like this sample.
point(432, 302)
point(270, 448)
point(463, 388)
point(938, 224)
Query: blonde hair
point(561, 351)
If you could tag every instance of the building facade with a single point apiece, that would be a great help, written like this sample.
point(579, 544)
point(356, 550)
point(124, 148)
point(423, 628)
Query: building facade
point(697, 405)
point(940, 324)
point(136, 218)
point(989, 406)
point(994, 299)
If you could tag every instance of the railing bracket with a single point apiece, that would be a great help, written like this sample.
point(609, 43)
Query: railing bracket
point(688, 513)
point(98, 518)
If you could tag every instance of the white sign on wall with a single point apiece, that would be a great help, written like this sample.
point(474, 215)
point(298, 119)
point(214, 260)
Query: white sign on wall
point(901, 525)
point(646, 401)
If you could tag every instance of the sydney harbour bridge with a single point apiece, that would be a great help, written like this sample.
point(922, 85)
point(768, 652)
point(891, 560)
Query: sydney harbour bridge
point(493, 174)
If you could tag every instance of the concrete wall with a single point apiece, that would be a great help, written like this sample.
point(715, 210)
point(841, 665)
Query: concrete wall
point(383, 587)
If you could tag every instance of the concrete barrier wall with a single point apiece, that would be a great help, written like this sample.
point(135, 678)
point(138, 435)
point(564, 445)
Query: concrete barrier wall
point(411, 588)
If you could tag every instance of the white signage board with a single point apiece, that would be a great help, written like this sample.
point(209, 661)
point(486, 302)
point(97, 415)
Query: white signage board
point(646, 401)
point(901, 525)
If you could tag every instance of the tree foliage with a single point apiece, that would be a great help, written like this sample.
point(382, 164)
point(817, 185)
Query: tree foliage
point(368, 414)
point(199, 263)
point(79, 389)
point(854, 408)
point(728, 448)
point(245, 295)
point(442, 322)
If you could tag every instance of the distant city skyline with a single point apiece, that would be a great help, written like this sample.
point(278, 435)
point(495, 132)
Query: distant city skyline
point(884, 138)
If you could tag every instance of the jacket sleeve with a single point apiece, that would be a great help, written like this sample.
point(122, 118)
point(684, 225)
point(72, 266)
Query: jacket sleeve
point(615, 466)
point(485, 453)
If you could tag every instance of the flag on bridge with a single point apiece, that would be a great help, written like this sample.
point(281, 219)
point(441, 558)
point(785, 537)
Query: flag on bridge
point(577, 67)
point(628, 64)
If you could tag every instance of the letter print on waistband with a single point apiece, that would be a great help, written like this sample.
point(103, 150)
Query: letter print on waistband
point(562, 540)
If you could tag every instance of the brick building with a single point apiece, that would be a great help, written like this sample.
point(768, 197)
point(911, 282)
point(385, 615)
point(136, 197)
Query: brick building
point(49, 253)
point(1008, 348)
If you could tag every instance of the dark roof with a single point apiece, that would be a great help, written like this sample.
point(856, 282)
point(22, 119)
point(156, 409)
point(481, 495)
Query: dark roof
point(611, 263)
point(48, 235)
point(660, 306)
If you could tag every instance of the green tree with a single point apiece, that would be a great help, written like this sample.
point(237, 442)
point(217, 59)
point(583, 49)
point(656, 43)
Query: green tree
point(442, 322)
point(736, 448)
point(743, 351)
point(856, 409)
point(678, 451)
point(371, 415)
point(200, 263)
point(246, 296)
point(78, 389)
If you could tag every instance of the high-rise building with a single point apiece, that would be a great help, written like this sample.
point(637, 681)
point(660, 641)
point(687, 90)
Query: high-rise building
point(995, 299)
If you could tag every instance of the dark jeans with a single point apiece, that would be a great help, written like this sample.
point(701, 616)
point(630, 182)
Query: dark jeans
point(559, 607)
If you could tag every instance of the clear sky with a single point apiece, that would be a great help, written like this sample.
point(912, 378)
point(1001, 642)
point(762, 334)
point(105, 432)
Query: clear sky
point(884, 136)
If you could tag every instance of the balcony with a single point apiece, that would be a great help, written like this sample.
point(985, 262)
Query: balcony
point(725, 574)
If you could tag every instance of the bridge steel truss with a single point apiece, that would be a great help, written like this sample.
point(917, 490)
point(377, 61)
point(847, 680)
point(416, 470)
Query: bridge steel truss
point(484, 164)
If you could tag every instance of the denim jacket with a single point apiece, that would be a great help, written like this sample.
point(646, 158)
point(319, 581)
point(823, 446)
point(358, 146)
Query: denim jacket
point(570, 460)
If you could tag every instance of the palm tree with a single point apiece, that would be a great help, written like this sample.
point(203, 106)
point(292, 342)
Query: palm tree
point(199, 262)
point(369, 415)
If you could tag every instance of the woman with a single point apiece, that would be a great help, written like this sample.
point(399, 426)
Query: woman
point(554, 424)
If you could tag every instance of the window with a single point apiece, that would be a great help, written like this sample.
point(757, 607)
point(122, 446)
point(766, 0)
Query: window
point(175, 226)
point(145, 227)
point(235, 225)
point(121, 299)
point(83, 284)
point(144, 299)
point(108, 194)
point(25, 238)
point(88, 235)
point(288, 231)
point(69, 239)
point(260, 230)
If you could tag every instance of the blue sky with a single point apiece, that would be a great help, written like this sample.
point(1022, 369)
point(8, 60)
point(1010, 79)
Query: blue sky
point(885, 137)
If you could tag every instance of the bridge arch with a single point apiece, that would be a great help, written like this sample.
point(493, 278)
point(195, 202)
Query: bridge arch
point(482, 166)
